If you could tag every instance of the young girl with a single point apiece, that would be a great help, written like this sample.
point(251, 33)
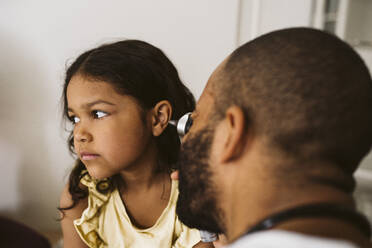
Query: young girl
point(120, 98)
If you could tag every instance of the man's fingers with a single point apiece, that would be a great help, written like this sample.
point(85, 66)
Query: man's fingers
point(174, 175)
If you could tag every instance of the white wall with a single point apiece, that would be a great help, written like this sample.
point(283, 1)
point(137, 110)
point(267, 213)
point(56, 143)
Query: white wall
point(38, 38)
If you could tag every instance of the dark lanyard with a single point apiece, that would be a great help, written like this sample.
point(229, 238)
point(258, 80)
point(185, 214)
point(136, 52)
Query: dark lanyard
point(316, 210)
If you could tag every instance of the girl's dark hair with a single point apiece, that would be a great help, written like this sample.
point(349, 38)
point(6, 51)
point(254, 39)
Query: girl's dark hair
point(142, 71)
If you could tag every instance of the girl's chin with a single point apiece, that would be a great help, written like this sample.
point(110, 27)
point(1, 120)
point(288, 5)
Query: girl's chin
point(97, 173)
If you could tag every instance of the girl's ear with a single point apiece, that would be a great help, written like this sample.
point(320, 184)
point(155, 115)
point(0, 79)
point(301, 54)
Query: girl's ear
point(161, 115)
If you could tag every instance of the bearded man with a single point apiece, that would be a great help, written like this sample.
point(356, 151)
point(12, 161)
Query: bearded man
point(277, 134)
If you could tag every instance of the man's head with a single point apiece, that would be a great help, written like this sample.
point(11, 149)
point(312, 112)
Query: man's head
point(295, 105)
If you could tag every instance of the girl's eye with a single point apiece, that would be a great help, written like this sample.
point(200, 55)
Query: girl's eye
point(97, 114)
point(74, 119)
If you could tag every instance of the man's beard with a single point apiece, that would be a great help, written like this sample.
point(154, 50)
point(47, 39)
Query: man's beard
point(197, 203)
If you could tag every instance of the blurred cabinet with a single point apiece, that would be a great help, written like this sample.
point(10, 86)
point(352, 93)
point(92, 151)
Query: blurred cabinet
point(351, 20)
point(256, 17)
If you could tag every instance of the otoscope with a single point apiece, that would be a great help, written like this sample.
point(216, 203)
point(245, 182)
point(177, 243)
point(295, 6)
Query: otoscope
point(183, 124)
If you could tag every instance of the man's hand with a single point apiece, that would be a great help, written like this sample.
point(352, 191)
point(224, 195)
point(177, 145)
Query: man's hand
point(203, 245)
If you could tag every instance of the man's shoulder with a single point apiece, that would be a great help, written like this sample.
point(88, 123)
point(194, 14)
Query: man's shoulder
point(268, 239)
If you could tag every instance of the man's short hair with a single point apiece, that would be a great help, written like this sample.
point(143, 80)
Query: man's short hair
point(306, 91)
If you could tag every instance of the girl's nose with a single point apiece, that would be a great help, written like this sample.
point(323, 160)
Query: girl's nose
point(82, 135)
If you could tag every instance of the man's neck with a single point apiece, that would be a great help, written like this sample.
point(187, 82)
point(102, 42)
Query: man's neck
point(330, 228)
point(248, 211)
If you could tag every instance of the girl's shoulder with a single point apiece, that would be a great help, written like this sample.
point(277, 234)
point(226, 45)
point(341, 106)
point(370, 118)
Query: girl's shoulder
point(69, 215)
point(65, 202)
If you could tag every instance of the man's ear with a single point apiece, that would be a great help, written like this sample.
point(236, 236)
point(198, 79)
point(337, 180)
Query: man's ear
point(235, 137)
point(161, 115)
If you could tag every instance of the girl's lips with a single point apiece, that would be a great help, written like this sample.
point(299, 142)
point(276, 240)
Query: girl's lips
point(88, 156)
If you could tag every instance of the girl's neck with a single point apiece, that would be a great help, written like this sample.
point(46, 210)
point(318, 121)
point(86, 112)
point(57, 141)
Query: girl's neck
point(144, 172)
point(141, 180)
point(143, 175)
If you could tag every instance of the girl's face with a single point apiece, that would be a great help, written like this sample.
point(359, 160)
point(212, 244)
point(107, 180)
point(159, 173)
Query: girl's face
point(110, 133)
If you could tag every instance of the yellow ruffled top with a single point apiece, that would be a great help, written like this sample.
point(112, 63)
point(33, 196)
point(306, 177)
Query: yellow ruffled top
point(105, 223)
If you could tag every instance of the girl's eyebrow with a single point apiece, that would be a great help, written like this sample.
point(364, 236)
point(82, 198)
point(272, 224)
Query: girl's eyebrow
point(91, 104)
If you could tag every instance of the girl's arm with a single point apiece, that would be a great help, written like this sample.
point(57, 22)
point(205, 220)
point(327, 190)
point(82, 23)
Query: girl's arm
point(71, 238)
